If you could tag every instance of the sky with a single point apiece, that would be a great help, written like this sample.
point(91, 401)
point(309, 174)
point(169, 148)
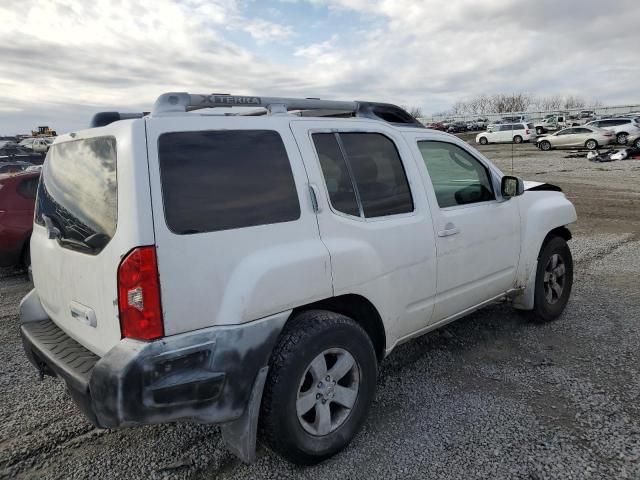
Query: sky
point(63, 60)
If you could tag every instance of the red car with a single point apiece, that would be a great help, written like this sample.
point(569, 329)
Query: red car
point(17, 201)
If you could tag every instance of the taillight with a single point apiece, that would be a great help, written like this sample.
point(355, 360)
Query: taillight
point(526, 132)
point(139, 295)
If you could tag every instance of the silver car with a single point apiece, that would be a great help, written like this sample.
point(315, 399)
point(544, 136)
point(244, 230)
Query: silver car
point(576, 137)
point(620, 126)
point(634, 139)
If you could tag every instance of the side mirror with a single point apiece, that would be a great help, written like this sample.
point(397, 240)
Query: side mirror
point(511, 186)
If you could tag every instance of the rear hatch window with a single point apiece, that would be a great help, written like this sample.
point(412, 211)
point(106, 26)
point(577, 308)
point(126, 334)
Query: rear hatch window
point(77, 194)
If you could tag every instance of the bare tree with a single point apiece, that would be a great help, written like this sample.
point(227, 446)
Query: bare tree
point(574, 101)
point(415, 112)
point(516, 102)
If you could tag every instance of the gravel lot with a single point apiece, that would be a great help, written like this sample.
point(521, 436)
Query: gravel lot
point(493, 395)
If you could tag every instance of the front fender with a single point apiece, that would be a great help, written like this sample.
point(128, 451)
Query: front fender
point(540, 212)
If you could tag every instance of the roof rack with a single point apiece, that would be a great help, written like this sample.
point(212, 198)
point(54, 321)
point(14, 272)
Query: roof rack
point(175, 102)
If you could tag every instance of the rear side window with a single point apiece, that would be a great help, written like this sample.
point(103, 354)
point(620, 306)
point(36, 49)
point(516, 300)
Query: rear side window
point(78, 193)
point(363, 173)
point(221, 180)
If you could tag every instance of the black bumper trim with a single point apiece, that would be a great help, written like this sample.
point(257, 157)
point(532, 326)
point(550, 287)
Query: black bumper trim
point(54, 353)
point(205, 376)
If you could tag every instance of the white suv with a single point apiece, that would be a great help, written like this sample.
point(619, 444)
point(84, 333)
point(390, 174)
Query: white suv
point(507, 132)
point(621, 127)
point(255, 270)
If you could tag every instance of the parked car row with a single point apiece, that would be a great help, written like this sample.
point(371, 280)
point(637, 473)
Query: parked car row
point(451, 126)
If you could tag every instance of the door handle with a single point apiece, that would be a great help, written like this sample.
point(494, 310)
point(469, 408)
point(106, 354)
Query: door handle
point(449, 229)
point(315, 195)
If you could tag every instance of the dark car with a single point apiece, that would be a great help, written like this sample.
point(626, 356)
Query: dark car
point(11, 153)
point(17, 201)
point(436, 126)
point(457, 127)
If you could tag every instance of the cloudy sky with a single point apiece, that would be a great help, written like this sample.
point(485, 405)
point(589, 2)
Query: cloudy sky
point(63, 60)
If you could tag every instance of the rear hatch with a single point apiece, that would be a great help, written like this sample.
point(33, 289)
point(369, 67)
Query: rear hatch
point(80, 233)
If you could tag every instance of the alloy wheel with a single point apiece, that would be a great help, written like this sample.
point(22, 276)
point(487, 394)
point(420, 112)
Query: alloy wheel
point(554, 278)
point(328, 391)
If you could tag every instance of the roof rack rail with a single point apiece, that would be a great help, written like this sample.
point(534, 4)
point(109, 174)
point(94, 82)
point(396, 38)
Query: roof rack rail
point(174, 102)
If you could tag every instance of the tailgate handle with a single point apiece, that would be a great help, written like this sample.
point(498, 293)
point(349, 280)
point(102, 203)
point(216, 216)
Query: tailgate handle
point(84, 314)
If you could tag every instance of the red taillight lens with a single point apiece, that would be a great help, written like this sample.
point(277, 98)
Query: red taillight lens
point(139, 295)
point(526, 132)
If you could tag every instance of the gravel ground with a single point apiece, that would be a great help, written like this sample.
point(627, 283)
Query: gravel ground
point(492, 395)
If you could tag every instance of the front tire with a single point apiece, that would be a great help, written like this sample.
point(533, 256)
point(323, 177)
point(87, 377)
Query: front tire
point(483, 140)
point(637, 143)
point(545, 145)
point(554, 280)
point(321, 382)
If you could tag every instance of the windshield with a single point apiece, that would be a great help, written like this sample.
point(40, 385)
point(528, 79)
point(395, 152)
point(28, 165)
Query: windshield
point(77, 195)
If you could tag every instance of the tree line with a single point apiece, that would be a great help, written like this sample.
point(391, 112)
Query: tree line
point(517, 102)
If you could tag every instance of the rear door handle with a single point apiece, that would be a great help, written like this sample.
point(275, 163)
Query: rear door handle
point(315, 197)
point(449, 229)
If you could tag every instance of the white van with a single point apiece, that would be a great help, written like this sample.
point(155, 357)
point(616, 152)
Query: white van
point(507, 133)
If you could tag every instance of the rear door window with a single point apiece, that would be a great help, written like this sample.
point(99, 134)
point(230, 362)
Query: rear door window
point(336, 174)
point(225, 179)
point(78, 193)
point(378, 172)
point(363, 173)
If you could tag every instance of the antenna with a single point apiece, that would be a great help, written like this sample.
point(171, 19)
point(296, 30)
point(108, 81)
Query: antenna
point(513, 146)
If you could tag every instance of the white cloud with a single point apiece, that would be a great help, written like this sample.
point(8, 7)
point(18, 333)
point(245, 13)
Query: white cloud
point(62, 59)
point(263, 30)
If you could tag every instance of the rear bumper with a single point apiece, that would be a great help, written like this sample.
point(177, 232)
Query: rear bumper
point(204, 376)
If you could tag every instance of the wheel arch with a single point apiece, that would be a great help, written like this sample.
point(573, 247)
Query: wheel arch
point(359, 309)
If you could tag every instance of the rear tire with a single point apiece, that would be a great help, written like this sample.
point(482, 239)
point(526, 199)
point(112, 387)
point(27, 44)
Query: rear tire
point(483, 140)
point(591, 144)
point(545, 145)
point(517, 139)
point(554, 280)
point(621, 138)
point(539, 130)
point(321, 382)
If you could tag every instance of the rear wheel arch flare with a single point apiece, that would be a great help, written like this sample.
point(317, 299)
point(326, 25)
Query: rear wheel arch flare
point(357, 308)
